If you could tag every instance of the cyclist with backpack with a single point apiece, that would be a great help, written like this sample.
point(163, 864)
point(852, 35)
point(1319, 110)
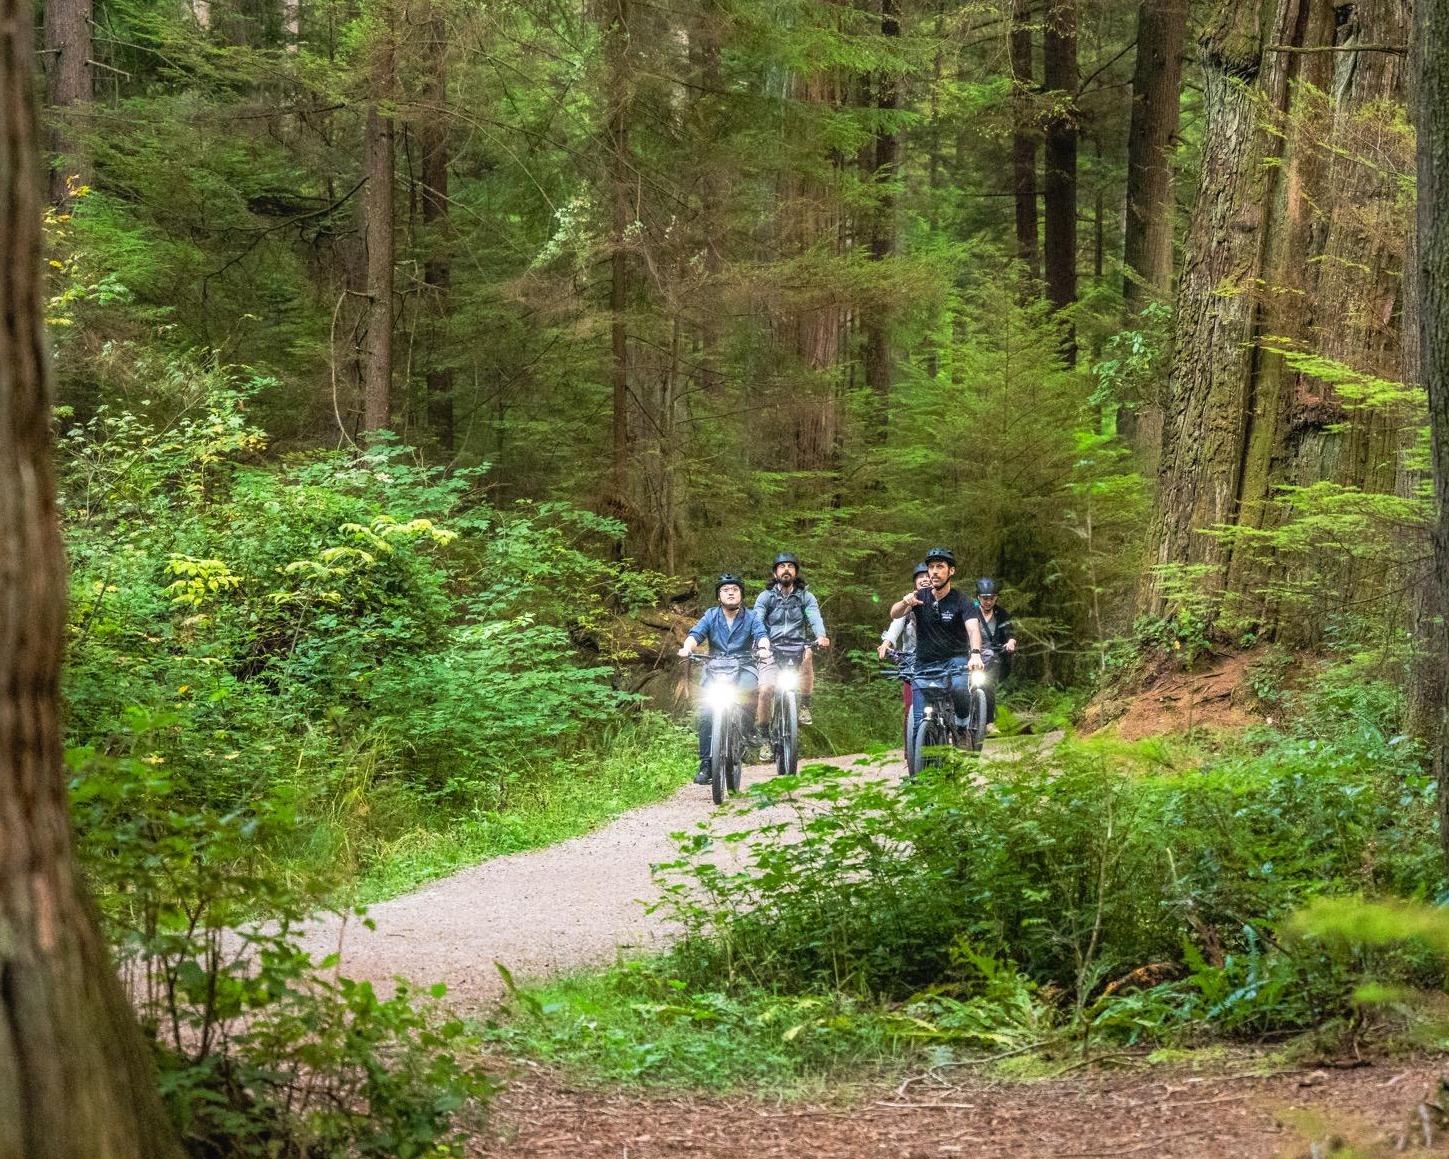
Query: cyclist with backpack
point(998, 638)
point(730, 629)
point(791, 615)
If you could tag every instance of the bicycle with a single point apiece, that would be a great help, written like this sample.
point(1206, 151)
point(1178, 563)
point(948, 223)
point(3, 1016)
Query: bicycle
point(939, 726)
point(785, 708)
point(721, 695)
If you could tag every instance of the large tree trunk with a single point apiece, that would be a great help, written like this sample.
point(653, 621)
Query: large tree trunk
point(1156, 92)
point(68, 83)
point(75, 1077)
point(1024, 133)
point(1059, 184)
point(1432, 51)
point(378, 226)
point(437, 266)
point(877, 357)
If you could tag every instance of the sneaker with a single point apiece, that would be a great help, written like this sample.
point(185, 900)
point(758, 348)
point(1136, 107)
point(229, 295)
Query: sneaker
point(804, 715)
point(702, 777)
point(767, 752)
point(991, 729)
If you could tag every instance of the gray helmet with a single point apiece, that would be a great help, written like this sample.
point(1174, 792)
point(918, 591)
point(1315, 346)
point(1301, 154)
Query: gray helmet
point(786, 557)
point(728, 577)
point(945, 554)
point(985, 587)
point(921, 569)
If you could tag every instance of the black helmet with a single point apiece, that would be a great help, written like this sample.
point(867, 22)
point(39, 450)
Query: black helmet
point(921, 569)
point(942, 553)
point(985, 587)
point(786, 557)
point(728, 577)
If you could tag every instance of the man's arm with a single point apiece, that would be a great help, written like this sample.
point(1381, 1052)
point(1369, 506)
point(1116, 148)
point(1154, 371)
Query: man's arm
point(817, 624)
point(696, 635)
point(892, 635)
point(759, 633)
point(1008, 635)
point(973, 633)
point(904, 605)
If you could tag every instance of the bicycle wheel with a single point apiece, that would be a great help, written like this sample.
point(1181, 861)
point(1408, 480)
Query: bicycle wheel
point(736, 766)
point(978, 719)
point(719, 755)
point(924, 739)
point(787, 746)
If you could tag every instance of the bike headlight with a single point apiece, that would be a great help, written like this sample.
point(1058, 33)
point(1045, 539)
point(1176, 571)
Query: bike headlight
point(720, 694)
point(978, 678)
point(790, 680)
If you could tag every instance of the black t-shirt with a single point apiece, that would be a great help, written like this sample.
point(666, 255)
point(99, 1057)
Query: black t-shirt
point(941, 626)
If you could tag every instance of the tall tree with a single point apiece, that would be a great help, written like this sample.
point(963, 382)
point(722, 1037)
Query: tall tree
point(68, 86)
point(1156, 95)
point(1432, 52)
point(1059, 179)
point(437, 266)
point(75, 1079)
point(378, 162)
point(877, 362)
point(621, 174)
point(1024, 133)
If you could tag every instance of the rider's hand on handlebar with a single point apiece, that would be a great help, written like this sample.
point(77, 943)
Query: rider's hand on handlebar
point(684, 653)
point(1010, 646)
point(822, 641)
point(882, 649)
point(974, 664)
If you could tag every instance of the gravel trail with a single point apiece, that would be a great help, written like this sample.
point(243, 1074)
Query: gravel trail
point(575, 904)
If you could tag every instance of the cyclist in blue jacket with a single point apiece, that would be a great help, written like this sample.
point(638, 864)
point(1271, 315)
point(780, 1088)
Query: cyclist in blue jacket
point(730, 629)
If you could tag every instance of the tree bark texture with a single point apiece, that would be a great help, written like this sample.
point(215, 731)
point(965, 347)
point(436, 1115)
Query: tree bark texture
point(621, 180)
point(1290, 237)
point(378, 226)
point(1059, 178)
point(68, 82)
point(878, 367)
point(437, 265)
point(75, 1076)
point(1432, 51)
point(1024, 133)
point(1156, 94)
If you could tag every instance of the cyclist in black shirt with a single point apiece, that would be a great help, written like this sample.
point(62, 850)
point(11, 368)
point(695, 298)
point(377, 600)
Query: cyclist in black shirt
point(948, 630)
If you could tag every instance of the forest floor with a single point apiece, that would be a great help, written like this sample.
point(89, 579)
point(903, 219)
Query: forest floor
point(1236, 1109)
point(583, 902)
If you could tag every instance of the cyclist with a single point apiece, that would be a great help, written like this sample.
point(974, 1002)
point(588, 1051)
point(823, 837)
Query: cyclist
point(948, 631)
point(730, 629)
point(791, 614)
point(998, 636)
point(902, 635)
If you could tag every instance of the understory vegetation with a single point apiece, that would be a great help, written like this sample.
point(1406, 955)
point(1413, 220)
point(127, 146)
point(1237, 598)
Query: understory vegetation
point(1095, 896)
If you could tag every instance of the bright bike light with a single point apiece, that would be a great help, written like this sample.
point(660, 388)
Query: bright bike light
point(719, 695)
point(790, 680)
point(978, 678)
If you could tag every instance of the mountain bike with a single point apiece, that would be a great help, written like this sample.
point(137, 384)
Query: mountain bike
point(721, 695)
point(785, 708)
point(939, 727)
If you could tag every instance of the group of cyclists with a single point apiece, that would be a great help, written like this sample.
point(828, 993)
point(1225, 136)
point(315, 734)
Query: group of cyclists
point(934, 625)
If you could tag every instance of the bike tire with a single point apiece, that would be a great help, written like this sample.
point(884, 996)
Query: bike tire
point(719, 756)
point(924, 739)
point(787, 748)
point(978, 719)
point(736, 767)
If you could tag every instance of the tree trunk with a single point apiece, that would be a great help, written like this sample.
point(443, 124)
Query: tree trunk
point(377, 367)
point(1059, 184)
point(75, 1077)
point(437, 266)
point(68, 83)
point(621, 182)
point(1432, 51)
point(1156, 93)
point(877, 367)
point(1024, 132)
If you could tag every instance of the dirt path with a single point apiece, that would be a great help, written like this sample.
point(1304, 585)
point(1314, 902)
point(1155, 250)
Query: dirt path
point(1155, 1113)
point(558, 908)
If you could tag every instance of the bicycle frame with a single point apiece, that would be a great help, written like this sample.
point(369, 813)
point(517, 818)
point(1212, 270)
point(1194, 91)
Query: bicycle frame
point(785, 708)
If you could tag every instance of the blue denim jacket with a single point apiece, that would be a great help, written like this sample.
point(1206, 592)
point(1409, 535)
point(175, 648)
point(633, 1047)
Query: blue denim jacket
point(726, 639)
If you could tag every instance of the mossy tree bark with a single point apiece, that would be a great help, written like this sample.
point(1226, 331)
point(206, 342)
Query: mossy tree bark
point(75, 1076)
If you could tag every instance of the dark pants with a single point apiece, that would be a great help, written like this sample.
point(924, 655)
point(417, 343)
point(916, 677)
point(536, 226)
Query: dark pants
point(960, 688)
point(747, 679)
